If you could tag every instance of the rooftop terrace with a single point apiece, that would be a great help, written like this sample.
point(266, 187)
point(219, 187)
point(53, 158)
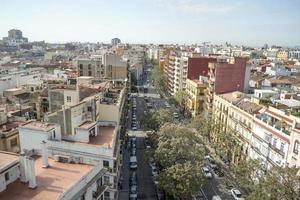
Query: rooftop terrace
point(51, 181)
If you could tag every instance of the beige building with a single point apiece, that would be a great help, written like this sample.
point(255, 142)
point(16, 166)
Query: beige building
point(107, 67)
point(236, 113)
point(283, 55)
point(196, 96)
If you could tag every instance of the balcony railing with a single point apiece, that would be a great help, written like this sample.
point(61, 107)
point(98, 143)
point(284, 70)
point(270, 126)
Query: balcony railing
point(100, 190)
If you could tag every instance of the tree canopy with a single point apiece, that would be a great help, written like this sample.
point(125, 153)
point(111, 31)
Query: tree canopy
point(180, 154)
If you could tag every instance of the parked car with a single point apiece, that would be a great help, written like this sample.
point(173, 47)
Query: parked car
point(175, 115)
point(237, 195)
point(134, 128)
point(133, 163)
point(133, 192)
point(133, 179)
point(133, 152)
point(216, 197)
point(206, 172)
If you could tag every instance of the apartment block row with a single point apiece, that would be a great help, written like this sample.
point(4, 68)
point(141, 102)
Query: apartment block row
point(269, 133)
point(73, 151)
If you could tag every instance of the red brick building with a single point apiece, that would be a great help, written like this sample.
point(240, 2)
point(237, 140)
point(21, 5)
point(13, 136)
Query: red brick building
point(198, 66)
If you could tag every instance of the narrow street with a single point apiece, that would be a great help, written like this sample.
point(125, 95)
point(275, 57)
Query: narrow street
point(146, 186)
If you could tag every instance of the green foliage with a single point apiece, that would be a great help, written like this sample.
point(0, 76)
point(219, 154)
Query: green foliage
point(265, 102)
point(247, 173)
point(181, 180)
point(181, 98)
point(278, 183)
point(159, 79)
point(180, 154)
point(203, 124)
point(154, 120)
point(177, 145)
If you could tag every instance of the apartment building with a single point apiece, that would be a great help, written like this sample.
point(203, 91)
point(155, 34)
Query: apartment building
point(180, 66)
point(15, 77)
point(29, 176)
point(108, 66)
point(273, 132)
point(282, 55)
point(225, 76)
point(196, 95)
point(235, 111)
point(268, 134)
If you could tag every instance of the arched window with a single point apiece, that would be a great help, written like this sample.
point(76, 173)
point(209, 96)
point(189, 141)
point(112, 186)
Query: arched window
point(296, 147)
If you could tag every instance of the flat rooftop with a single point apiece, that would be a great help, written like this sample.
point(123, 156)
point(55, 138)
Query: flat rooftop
point(105, 137)
point(7, 158)
point(36, 125)
point(51, 181)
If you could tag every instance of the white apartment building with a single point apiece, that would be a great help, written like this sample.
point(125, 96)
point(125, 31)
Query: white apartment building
point(16, 77)
point(40, 177)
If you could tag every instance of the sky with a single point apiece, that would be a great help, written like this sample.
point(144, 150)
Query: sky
point(241, 22)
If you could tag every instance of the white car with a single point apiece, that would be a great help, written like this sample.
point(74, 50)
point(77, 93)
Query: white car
point(237, 195)
point(134, 128)
point(206, 172)
point(133, 192)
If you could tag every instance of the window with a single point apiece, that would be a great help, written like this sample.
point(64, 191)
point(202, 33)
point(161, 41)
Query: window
point(80, 66)
point(69, 98)
point(89, 66)
point(274, 142)
point(13, 142)
point(106, 180)
point(82, 196)
point(106, 194)
point(54, 134)
point(90, 73)
point(105, 164)
point(80, 73)
point(89, 108)
point(296, 147)
point(6, 176)
point(282, 146)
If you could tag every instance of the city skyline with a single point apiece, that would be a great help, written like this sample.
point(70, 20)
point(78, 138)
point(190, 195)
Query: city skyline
point(172, 21)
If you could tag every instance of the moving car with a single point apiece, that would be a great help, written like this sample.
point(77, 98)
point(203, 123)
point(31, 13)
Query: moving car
point(206, 172)
point(237, 195)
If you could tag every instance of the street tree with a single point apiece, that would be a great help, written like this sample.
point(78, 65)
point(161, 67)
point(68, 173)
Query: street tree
point(278, 183)
point(247, 173)
point(154, 120)
point(159, 79)
point(203, 124)
point(181, 180)
point(181, 97)
point(178, 144)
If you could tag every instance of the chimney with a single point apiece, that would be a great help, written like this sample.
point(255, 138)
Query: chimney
point(44, 154)
point(31, 173)
point(23, 169)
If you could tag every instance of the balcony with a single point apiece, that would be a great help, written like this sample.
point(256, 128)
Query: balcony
point(100, 190)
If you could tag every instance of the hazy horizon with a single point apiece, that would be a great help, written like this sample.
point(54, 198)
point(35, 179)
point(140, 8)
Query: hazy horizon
point(249, 23)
